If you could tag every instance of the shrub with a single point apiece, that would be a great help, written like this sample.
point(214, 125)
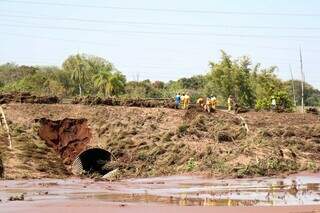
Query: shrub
point(283, 101)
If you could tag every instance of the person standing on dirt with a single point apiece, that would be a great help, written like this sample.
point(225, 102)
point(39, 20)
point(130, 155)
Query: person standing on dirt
point(182, 100)
point(200, 102)
point(230, 102)
point(186, 101)
point(214, 102)
point(178, 100)
point(273, 103)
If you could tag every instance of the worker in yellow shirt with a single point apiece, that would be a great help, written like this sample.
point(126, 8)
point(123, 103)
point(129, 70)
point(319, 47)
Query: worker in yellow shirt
point(214, 102)
point(182, 100)
point(200, 102)
point(230, 102)
point(186, 101)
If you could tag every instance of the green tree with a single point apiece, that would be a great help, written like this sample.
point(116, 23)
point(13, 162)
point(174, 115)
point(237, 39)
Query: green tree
point(109, 82)
point(311, 95)
point(230, 77)
point(79, 68)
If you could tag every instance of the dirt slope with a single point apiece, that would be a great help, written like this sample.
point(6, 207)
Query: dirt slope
point(158, 141)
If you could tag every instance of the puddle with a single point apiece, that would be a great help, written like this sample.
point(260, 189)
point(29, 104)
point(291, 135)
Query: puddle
point(176, 190)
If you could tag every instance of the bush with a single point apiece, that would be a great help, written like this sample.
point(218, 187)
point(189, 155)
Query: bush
point(283, 101)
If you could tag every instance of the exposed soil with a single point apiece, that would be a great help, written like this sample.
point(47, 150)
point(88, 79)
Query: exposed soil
point(147, 142)
point(26, 97)
point(147, 103)
point(69, 137)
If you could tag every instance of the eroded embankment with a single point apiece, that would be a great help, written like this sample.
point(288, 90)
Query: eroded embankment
point(25, 97)
point(158, 141)
point(69, 137)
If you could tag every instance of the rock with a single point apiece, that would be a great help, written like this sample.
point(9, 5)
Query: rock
point(224, 137)
point(112, 176)
point(18, 197)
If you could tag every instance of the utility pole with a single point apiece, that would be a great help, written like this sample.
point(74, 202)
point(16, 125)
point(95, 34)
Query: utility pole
point(293, 89)
point(302, 81)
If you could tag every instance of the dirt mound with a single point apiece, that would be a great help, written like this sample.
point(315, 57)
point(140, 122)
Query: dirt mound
point(69, 137)
point(6, 98)
point(313, 110)
point(148, 103)
point(147, 142)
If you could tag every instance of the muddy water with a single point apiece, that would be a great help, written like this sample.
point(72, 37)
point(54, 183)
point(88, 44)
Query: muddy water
point(177, 190)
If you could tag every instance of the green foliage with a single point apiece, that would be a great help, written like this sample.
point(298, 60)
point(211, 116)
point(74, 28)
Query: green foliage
point(109, 82)
point(263, 104)
point(84, 74)
point(182, 129)
point(311, 95)
point(191, 164)
point(231, 78)
point(283, 102)
point(266, 167)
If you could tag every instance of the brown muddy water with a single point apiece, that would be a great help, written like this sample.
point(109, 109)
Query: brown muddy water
point(176, 190)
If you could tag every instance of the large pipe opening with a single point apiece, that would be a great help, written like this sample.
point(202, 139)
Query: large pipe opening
point(92, 161)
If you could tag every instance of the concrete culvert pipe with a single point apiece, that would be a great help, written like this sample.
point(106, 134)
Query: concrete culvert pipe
point(91, 161)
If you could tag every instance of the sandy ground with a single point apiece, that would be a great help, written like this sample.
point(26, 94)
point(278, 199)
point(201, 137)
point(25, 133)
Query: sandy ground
point(100, 207)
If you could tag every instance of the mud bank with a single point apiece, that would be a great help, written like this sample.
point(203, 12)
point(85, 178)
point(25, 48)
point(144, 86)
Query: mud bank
point(147, 103)
point(6, 98)
point(148, 142)
point(69, 137)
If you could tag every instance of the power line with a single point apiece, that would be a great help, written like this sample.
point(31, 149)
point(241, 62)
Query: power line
point(56, 39)
point(167, 10)
point(106, 44)
point(316, 37)
point(158, 23)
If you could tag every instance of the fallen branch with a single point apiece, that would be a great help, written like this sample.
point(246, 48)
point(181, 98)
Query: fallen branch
point(6, 127)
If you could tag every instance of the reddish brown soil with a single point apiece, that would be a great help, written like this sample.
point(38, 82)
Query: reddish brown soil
point(148, 103)
point(68, 137)
point(27, 98)
point(159, 141)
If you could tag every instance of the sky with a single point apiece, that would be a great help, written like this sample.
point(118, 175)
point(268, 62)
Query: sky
point(163, 40)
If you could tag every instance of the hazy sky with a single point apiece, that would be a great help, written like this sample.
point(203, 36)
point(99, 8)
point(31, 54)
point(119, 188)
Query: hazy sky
point(165, 39)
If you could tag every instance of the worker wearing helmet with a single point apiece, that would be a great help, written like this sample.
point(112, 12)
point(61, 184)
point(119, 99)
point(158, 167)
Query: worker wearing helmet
point(200, 102)
point(177, 100)
point(230, 102)
point(214, 102)
point(208, 105)
point(186, 101)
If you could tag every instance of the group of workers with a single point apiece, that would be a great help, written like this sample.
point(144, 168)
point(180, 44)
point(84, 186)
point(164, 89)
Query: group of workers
point(183, 100)
point(207, 104)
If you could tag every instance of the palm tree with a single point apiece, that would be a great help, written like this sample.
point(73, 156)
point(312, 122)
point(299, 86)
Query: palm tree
point(101, 81)
point(79, 68)
point(109, 82)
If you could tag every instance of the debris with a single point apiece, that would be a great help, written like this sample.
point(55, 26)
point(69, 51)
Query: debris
point(112, 176)
point(18, 197)
point(313, 110)
point(224, 136)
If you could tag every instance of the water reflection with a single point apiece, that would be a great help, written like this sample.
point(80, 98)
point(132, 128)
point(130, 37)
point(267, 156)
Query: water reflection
point(184, 191)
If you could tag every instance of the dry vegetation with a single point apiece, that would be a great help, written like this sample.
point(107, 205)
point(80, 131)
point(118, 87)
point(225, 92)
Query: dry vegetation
point(157, 141)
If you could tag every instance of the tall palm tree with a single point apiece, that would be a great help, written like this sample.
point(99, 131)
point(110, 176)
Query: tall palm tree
point(101, 81)
point(79, 69)
point(109, 82)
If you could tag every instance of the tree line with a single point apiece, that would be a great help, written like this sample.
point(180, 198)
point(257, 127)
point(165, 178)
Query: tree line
point(81, 74)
